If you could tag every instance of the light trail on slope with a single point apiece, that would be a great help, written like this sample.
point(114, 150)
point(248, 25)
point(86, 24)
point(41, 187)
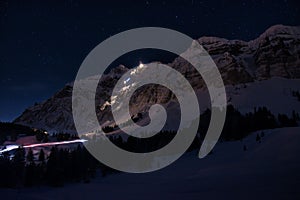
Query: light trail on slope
point(12, 147)
point(9, 148)
point(55, 143)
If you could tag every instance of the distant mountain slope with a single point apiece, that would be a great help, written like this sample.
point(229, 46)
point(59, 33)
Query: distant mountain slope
point(276, 53)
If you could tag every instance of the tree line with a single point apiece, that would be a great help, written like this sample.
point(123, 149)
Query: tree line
point(77, 165)
point(61, 166)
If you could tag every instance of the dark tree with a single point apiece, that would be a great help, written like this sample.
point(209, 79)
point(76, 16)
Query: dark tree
point(258, 138)
point(30, 156)
point(18, 164)
point(41, 156)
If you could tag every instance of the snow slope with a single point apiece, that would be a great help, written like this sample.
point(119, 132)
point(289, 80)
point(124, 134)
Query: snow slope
point(267, 170)
point(274, 93)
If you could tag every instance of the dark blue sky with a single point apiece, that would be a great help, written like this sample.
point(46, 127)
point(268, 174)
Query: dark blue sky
point(42, 43)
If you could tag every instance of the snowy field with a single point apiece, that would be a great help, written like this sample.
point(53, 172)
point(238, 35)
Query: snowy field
point(267, 170)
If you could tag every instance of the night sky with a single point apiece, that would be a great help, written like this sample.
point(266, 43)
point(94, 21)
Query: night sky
point(42, 43)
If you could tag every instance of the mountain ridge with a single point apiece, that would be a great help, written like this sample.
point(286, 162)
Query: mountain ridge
point(275, 53)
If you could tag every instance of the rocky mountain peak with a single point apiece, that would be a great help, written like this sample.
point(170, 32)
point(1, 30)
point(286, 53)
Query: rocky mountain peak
point(275, 53)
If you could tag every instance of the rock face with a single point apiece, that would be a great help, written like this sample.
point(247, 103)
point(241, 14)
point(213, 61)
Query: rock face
point(275, 53)
point(52, 114)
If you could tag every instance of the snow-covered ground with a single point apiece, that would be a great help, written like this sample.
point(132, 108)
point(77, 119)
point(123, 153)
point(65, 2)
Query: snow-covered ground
point(267, 170)
point(274, 93)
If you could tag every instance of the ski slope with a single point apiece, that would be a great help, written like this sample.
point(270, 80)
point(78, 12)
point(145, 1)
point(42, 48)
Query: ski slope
point(267, 170)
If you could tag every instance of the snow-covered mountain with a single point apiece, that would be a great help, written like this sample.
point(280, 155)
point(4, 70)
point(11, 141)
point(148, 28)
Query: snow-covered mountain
point(261, 72)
